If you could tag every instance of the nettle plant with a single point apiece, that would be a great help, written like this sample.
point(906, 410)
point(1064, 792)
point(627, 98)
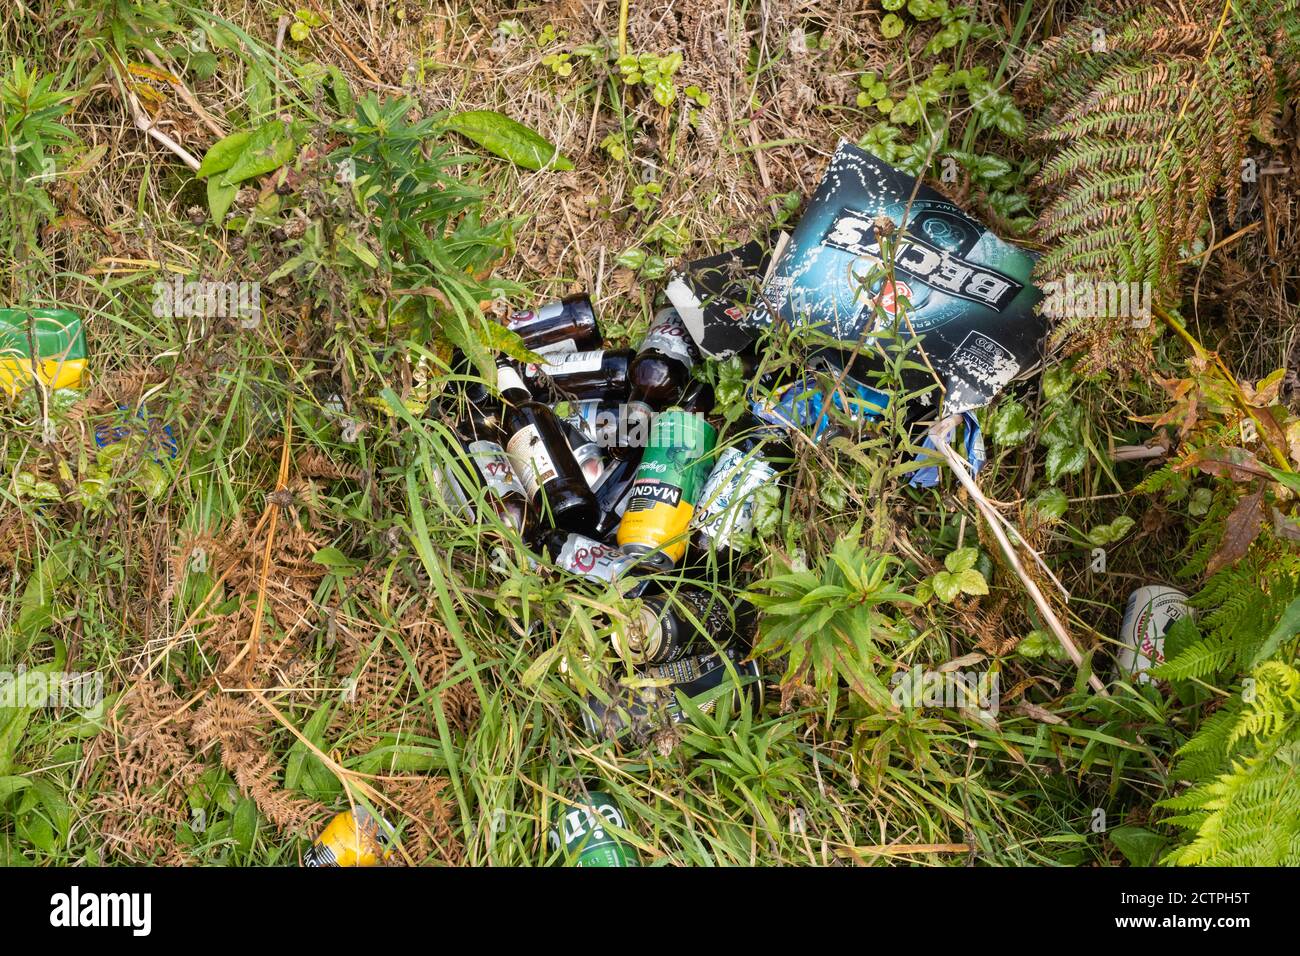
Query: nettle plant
point(1062, 433)
point(914, 134)
point(958, 22)
point(960, 575)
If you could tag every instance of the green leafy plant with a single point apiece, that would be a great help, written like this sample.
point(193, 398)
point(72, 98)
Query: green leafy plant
point(960, 576)
point(1242, 760)
point(1243, 765)
point(958, 24)
point(914, 133)
point(304, 21)
point(1110, 532)
point(32, 132)
point(645, 196)
point(245, 155)
point(1039, 643)
point(509, 139)
point(1009, 425)
point(654, 71)
point(835, 621)
point(1062, 435)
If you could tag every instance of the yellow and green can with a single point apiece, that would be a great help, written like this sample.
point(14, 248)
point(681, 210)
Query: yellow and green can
point(48, 344)
point(667, 487)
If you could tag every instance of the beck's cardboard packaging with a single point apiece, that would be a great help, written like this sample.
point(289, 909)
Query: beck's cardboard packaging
point(972, 301)
point(714, 295)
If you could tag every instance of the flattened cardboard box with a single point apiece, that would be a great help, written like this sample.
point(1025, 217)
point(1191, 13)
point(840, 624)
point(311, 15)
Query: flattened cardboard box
point(713, 295)
point(971, 295)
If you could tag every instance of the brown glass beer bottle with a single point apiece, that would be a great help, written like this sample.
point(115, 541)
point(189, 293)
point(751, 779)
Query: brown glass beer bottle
point(536, 445)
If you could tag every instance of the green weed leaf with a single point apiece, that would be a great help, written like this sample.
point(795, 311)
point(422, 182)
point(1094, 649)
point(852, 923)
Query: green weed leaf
point(504, 137)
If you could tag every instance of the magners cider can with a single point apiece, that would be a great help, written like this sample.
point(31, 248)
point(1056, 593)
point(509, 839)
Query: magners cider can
point(668, 481)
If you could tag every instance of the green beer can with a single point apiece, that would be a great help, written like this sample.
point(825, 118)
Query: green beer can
point(582, 828)
point(673, 470)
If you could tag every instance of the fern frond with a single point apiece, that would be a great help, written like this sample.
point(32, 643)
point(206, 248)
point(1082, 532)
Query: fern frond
point(1152, 105)
point(1246, 817)
point(1204, 658)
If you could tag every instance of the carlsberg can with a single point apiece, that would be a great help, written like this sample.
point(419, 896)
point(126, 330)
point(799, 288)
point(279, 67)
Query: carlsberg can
point(726, 509)
point(668, 484)
point(582, 829)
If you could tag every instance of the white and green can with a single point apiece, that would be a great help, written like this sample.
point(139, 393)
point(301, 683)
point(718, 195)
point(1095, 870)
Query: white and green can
point(582, 827)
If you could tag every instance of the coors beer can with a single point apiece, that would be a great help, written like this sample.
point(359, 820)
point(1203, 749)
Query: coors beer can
point(1147, 617)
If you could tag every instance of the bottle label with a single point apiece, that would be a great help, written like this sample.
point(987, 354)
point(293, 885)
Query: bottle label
point(531, 460)
point(591, 462)
point(452, 494)
point(686, 670)
point(669, 336)
point(508, 378)
point(529, 317)
point(726, 508)
point(557, 348)
point(570, 363)
point(591, 559)
point(600, 423)
point(709, 612)
point(668, 483)
point(494, 466)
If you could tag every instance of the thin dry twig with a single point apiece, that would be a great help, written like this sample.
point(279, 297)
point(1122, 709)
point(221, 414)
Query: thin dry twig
point(995, 525)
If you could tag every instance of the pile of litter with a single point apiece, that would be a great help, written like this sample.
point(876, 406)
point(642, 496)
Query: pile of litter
point(611, 463)
point(607, 462)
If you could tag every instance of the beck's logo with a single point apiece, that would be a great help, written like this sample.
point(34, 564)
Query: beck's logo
point(917, 259)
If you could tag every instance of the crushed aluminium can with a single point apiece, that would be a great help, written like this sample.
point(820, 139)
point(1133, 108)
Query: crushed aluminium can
point(158, 436)
point(726, 508)
point(58, 341)
point(582, 829)
point(591, 559)
point(805, 405)
point(701, 678)
point(1148, 615)
point(353, 838)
